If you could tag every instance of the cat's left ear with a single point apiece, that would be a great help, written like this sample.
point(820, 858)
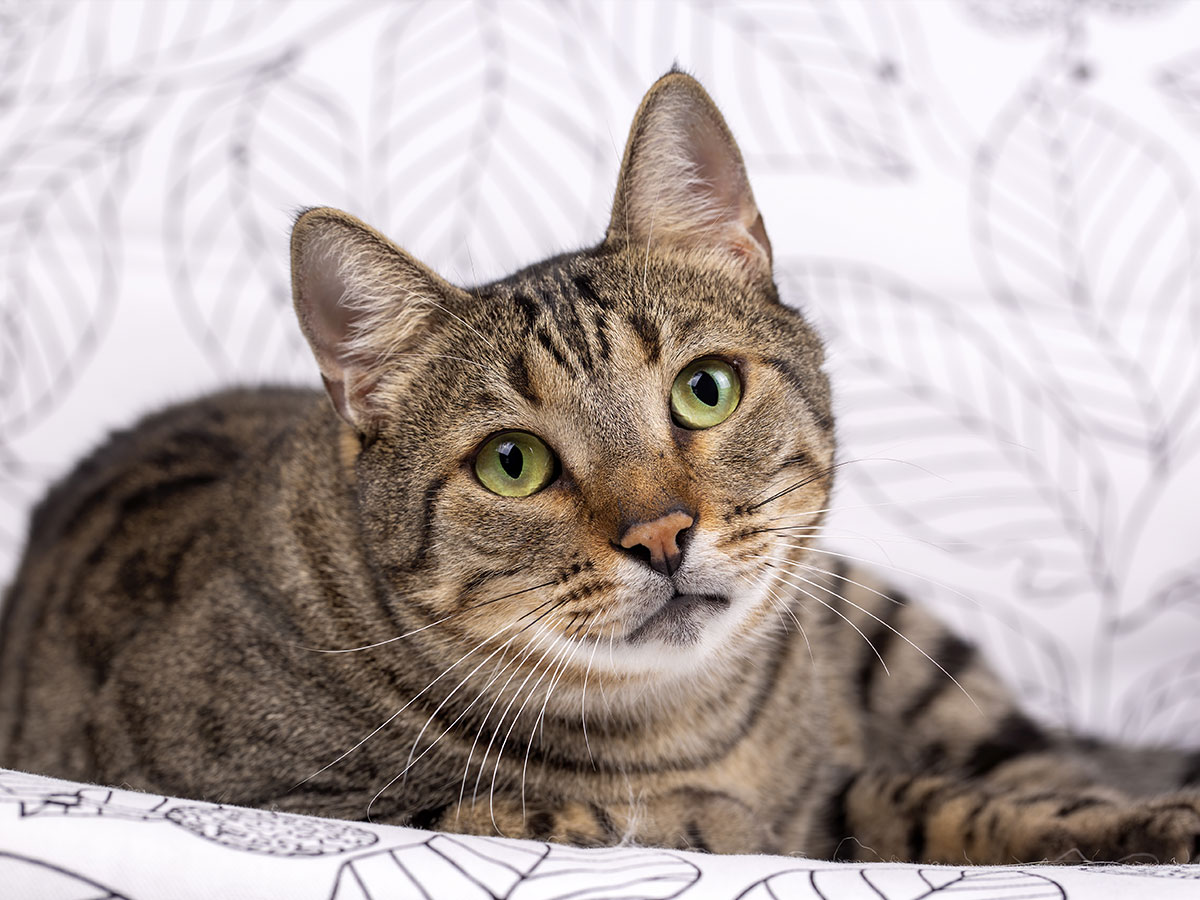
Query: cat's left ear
point(361, 301)
point(683, 182)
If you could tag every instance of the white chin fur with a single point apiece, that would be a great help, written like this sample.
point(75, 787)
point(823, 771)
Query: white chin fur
point(715, 632)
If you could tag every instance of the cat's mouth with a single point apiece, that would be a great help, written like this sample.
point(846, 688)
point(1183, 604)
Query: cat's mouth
point(680, 620)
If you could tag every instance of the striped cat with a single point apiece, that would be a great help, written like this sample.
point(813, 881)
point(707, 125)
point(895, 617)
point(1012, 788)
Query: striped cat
point(542, 569)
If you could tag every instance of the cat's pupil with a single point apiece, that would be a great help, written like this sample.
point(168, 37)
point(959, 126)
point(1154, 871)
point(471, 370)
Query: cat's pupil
point(511, 460)
point(704, 386)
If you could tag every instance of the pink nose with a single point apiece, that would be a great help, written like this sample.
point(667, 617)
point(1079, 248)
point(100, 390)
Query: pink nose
point(660, 539)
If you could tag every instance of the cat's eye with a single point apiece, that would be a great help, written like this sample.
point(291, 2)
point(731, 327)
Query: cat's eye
point(515, 464)
point(705, 394)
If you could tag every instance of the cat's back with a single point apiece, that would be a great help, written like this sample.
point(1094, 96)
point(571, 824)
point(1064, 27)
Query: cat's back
point(110, 545)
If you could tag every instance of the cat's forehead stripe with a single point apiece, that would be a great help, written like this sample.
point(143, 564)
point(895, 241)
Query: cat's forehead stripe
point(519, 378)
point(566, 316)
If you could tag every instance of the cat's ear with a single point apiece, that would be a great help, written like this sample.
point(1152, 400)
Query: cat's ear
point(683, 182)
point(361, 300)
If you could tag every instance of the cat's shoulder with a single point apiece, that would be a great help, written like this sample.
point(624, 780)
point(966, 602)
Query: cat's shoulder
point(185, 444)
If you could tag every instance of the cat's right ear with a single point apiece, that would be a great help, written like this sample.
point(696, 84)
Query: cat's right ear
point(361, 300)
point(683, 183)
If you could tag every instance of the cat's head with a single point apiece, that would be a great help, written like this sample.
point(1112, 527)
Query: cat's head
point(609, 457)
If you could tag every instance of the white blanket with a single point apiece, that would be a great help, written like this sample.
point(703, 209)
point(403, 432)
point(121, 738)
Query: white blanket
point(65, 841)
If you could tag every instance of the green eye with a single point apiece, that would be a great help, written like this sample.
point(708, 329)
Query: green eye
point(515, 464)
point(705, 394)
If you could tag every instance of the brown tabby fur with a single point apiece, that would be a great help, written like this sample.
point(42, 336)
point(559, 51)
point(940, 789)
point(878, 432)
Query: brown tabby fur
point(170, 624)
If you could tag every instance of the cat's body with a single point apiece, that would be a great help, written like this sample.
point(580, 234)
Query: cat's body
point(634, 642)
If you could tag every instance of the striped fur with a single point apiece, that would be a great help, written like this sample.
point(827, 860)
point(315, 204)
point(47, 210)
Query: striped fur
point(171, 624)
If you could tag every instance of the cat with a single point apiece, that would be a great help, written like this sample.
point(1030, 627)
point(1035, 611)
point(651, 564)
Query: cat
point(538, 563)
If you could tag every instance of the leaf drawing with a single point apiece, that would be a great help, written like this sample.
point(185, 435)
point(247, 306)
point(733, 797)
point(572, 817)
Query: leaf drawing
point(1028, 15)
point(245, 158)
point(253, 830)
point(1087, 227)
point(458, 176)
point(270, 833)
point(1180, 81)
point(946, 432)
point(885, 883)
point(60, 265)
point(490, 869)
point(934, 380)
point(805, 83)
point(34, 877)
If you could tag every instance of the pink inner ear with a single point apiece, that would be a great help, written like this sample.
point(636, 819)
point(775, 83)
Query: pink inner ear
point(686, 184)
point(324, 293)
point(729, 193)
point(328, 321)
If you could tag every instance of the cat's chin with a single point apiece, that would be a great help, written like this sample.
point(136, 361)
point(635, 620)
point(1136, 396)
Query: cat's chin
point(684, 635)
point(680, 621)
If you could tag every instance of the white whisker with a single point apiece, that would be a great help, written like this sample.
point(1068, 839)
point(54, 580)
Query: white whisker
point(843, 617)
point(882, 622)
point(407, 704)
point(516, 661)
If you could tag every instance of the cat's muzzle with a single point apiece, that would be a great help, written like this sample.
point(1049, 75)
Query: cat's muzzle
point(679, 620)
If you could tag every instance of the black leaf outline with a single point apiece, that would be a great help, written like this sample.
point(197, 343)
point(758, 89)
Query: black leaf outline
point(493, 869)
point(919, 376)
point(77, 48)
point(270, 833)
point(15, 870)
point(1183, 873)
point(1163, 701)
point(62, 181)
point(888, 883)
point(260, 831)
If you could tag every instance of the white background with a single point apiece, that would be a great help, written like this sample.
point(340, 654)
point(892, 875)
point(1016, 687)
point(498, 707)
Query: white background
point(989, 206)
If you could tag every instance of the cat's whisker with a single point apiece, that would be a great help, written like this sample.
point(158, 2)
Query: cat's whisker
point(409, 764)
point(781, 605)
point(872, 615)
point(508, 734)
point(504, 713)
point(564, 656)
point(839, 614)
point(835, 533)
point(413, 761)
point(470, 362)
point(427, 687)
point(516, 664)
point(612, 638)
point(807, 533)
point(794, 486)
point(528, 696)
point(452, 615)
point(583, 702)
point(879, 505)
point(471, 327)
point(974, 601)
point(809, 479)
point(403, 707)
point(382, 643)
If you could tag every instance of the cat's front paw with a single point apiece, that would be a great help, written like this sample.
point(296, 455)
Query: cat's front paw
point(1159, 831)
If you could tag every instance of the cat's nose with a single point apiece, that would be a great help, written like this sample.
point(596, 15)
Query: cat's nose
point(656, 542)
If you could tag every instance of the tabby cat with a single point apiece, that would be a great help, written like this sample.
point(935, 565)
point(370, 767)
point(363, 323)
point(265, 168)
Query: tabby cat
point(542, 570)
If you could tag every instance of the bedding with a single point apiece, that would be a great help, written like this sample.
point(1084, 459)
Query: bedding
point(65, 841)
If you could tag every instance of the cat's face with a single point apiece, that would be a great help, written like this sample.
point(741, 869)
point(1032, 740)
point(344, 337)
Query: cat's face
point(607, 460)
